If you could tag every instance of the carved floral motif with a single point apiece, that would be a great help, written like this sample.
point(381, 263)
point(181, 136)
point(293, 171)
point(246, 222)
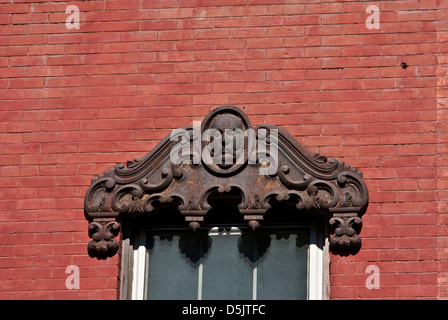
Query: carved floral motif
point(103, 243)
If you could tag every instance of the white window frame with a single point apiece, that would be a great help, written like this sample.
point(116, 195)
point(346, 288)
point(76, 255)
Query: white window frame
point(315, 267)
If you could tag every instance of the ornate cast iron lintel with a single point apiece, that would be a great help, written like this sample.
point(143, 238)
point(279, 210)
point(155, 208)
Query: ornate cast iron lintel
point(309, 182)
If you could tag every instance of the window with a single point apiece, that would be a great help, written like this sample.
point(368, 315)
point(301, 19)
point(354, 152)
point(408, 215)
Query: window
point(228, 262)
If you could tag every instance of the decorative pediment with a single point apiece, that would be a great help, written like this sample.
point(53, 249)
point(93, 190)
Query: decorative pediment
point(225, 153)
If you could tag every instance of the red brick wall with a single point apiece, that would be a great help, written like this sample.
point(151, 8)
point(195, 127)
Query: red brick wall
point(74, 102)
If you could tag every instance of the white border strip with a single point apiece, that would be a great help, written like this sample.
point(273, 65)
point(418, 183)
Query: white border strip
point(315, 267)
point(138, 286)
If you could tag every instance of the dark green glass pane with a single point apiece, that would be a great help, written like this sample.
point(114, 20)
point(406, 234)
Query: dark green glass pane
point(282, 271)
point(226, 273)
point(171, 274)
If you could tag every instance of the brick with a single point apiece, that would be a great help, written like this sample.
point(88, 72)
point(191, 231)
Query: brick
point(32, 148)
point(203, 88)
point(264, 65)
point(101, 58)
point(212, 55)
point(417, 291)
point(195, 45)
point(29, 18)
point(176, 35)
point(26, 61)
point(120, 47)
point(416, 149)
point(212, 34)
point(264, 43)
point(208, 77)
point(284, 53)
point(236, 98)
point(229, 65)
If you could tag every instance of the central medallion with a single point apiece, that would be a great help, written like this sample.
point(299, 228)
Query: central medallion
point(225, 141)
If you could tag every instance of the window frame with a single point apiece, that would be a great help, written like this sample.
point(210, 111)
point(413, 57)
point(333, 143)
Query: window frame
point(317, 262)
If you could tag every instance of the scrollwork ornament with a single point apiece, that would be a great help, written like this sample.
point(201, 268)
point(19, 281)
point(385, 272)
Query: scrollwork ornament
point(354, 189)
point(293, 184)
point(147, 203)
point(345, 240)
point(167, 175)
point(103, 243)
point(98, 195)
point(324, 194)
point(128, 199)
